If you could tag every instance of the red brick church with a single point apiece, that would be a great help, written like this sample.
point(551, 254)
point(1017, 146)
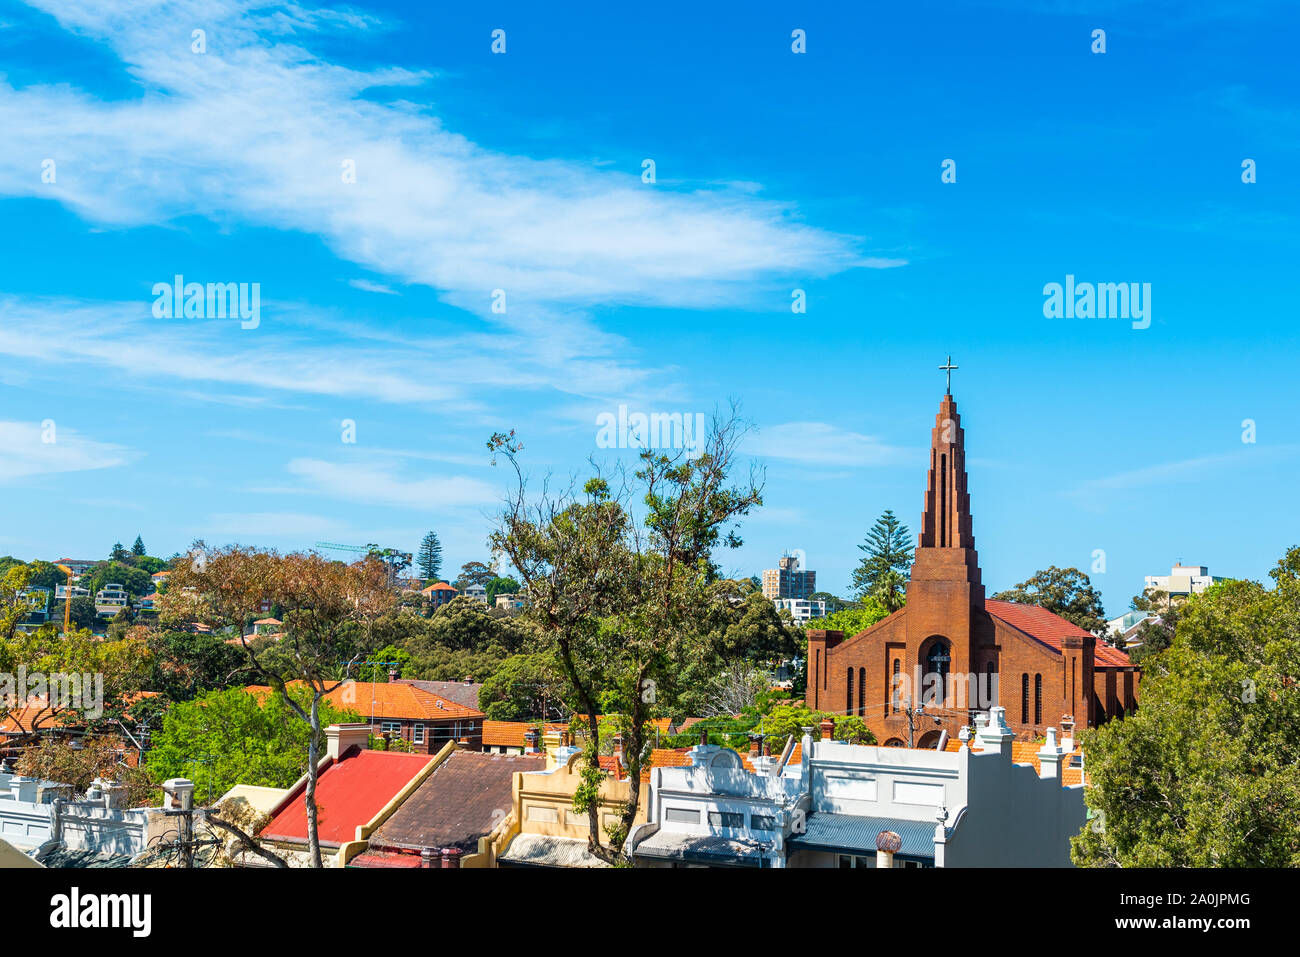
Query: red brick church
point(951, 653)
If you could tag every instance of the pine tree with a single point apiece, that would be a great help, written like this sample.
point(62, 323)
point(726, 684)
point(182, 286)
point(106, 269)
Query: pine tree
point(138, 547)
point(429, 559)
point(884, 569)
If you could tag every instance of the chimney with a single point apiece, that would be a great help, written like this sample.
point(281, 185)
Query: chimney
point(339, 738)
point(704, 737)
point(23, 788)
point(530, 741)
point(1049, 757)
point(995, 734)
point(392, 674)
point(754, 745)
point(1067, 732)
point(828, 728)
point(178, 794)
point(450, 857)
point(429, 857)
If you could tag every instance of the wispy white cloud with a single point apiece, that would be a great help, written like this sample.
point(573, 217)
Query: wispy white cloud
point(378, 483)
point(262, 525)
point(264, 131)
point(1094, 493)
point(30, 448)
point(369, 285)
point(819, 443)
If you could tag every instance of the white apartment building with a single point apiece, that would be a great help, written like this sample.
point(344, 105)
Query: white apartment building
point(801, 609)
point(1183, 580)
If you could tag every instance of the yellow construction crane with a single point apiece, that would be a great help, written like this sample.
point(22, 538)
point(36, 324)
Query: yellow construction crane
point(67, 599)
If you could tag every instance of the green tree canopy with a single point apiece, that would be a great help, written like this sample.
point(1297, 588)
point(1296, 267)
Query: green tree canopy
point(474, 573)
point(853, 620)
point(501, 585)
point(1064, 591)
point(1206, 773)
point(429, 558)
point(523, 688)
point(187, 664)
point(138, 548)
point(135, 581)
point(229, 737)
point(47, 575)
point(885, 566)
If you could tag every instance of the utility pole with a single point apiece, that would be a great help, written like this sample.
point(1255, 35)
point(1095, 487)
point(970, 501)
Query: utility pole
point(911, 724)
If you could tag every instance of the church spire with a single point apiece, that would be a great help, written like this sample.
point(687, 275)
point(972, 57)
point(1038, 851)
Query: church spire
point(946, 521)
point(945, 547)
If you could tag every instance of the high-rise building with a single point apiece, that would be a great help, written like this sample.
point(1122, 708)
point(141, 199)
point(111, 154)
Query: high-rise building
point(788, 580)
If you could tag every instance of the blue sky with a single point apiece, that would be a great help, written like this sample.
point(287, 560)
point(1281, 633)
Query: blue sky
point(775, 171)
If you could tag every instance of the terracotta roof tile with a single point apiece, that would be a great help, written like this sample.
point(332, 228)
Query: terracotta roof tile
point(510, 734)
point(463, 799)
point(393, 700)
point(1050, 628)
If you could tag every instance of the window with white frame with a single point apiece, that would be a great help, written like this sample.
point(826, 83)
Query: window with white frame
point(418, 734)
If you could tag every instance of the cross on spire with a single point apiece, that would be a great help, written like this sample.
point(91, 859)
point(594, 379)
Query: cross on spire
point(948, 369)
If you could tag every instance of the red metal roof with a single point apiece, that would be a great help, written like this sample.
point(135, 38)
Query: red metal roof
point(1050, 628)
point(349, 792)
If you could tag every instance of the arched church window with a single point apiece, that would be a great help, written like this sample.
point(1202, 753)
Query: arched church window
point(1038, 699)
point(893, 688)
point(937, 662)
point(990, 687)
point(862, 692)
point(1024, 698)
point(848, 699)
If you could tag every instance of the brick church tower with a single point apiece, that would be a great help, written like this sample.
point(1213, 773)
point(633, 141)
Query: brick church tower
point(950, 653)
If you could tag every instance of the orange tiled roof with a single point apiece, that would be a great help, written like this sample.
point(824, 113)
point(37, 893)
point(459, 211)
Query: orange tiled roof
point(1026, 752)
point(19, 720)
point(391, 700)
point(510, 734)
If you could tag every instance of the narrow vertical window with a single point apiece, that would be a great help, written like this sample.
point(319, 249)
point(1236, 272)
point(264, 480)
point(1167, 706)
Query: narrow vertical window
point(1038, 699)
point(1024, 699)
point(862, 692)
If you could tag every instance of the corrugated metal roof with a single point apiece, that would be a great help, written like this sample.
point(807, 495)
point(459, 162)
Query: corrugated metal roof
point(349, 792)
point(852, 833)
point(544, 850)
point(705, 849)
